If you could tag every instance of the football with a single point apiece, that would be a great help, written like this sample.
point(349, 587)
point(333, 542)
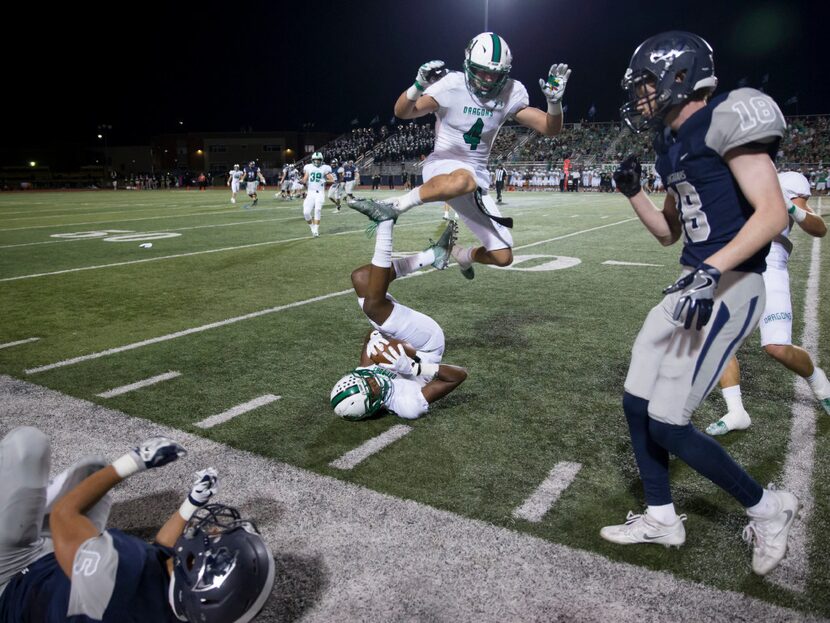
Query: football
point(380, 348)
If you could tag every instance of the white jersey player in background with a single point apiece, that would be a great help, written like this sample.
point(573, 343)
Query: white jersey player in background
point(470, 108)
point(234, 177)
point(777, 319)
point(315, 176)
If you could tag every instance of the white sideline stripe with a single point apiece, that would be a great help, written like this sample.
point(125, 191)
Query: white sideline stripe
point(546, 494)
point(256, 314)
point(19, 342)
point(139, 384)
point(616, 263)
point(190, 254)
point(374, 445)
point(221, 418)
point(792, 573)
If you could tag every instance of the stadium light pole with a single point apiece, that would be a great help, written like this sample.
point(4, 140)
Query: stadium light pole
point(486, 14)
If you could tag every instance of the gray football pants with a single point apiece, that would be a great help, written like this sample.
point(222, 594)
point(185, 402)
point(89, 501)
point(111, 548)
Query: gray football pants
point(27, 495)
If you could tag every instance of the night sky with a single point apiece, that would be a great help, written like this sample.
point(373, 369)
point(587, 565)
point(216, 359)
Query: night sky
point(223, 66)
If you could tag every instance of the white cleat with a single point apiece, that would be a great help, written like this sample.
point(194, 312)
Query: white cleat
point(768, 535)
point(233, 200)
point(645, 529)
point(734, 420)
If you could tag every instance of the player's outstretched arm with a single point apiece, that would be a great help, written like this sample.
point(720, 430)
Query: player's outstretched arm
point(70, 527)
point(448, 378)
point(204, 487)
point(758, 180)
point(806, 219)
point(411, 104)
point(553, 88)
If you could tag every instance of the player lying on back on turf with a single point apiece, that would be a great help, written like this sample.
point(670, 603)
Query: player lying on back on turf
point(400, 363)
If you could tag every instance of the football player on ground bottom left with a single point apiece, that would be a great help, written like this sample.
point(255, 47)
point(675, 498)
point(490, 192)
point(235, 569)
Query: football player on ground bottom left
point(59, 562)
point(400, 364)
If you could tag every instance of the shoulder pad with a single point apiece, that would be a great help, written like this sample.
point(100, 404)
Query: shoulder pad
point(744, 116)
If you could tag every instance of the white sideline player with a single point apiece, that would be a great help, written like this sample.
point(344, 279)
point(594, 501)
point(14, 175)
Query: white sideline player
point(470, 108)
point(234, 176)
point(777, 319)
point(315, 176)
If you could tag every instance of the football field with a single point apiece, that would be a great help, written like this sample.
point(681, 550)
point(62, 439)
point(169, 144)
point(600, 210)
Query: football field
point(235, 324)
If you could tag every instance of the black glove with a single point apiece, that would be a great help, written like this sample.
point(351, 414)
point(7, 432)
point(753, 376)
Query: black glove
point(698, 295)
point(627, 176)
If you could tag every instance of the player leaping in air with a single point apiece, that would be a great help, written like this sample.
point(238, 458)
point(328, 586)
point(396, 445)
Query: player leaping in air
point(470, 108)
point(410, 342)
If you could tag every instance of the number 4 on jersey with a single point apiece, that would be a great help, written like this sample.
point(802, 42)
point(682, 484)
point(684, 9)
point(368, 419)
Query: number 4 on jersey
point(473, 136)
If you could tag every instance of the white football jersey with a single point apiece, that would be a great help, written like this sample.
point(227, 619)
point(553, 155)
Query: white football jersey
point(406, 399)
point(465, 125)
point(236, 175)
point(316, 176)
point(793, 184)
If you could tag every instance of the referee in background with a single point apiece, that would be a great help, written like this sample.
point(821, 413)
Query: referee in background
point(501, 173)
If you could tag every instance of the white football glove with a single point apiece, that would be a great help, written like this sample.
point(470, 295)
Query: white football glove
point(554, 87)
point(430, 72)
point(399, 362)
point(205, 486)
point(427, 74)
point(376, 343)
point(153, 452)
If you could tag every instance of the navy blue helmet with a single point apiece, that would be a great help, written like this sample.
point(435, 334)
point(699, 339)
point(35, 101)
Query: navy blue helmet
point(223, 570)
point(675, 65)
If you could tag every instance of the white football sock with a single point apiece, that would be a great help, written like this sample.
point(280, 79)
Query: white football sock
point(732, 396)
point(462, 255)
point(409, 200)
point(768, 505)
point(817, 379)
point(664, 513)
point(383, 245)
point(412, 263)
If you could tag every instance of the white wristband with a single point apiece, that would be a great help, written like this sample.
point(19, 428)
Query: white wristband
point(554, 108)
point(798, 214)
point(429, 370)
point(125, 466)
point(413, 93)
point(187, 509)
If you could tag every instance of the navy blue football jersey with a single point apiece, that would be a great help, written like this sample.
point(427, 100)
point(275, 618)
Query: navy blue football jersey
point(116, 578)
point(251, 173)
point(348, 173)
point(711, 205)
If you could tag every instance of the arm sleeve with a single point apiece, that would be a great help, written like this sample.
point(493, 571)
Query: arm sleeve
point(519, 98)
point(745, 117)
point(794, 184)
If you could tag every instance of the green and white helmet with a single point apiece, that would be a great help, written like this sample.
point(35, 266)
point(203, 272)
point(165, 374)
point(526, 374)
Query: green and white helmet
point(487, 63)
point(353, 398)
point(317, 158)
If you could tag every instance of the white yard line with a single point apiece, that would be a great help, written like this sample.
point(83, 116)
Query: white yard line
point(193, 253)
point(616, 263)
point(256, 314)
point(373, 446)
point(793, 572)
point(575, 233)
point(139, 384)
point(546, 494)
point(19, 342)
point(264, 220)
point(225, 416)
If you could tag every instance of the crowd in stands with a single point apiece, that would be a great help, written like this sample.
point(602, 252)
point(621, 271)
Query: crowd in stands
point(807, 140)
point(406, 141)
point(354, 144)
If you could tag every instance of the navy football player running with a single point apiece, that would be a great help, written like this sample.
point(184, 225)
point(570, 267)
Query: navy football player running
point(59, 563)
point(715, 158)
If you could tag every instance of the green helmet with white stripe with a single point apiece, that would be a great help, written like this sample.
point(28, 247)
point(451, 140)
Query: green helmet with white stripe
point(487, 63)
point(361, 392)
